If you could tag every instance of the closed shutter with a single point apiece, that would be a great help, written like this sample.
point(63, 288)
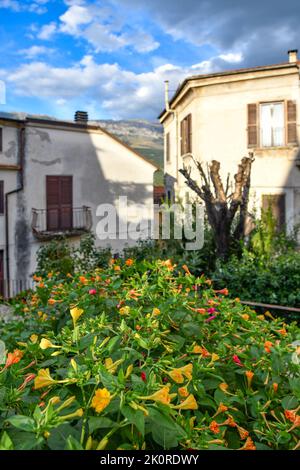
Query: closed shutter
point(189, 133)
point(168, 156)
point(59, 202)
point(1, 197)
point(1, 140)
point(252, 125)
point(275, 202)
point(53, 202)
point(182, 137)
point(66, 202)
point(291, 122)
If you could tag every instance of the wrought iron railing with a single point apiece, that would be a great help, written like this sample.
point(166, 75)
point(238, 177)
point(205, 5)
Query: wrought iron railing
point(66, 221)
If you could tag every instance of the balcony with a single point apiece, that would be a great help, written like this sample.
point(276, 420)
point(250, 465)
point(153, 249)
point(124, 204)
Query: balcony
point(61, 222)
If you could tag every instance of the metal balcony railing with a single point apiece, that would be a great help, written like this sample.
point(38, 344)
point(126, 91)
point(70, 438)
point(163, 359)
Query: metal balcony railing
point(50, 223)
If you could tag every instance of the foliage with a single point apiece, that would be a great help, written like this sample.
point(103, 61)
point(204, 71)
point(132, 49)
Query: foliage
point(61, 256)
point(144, 355)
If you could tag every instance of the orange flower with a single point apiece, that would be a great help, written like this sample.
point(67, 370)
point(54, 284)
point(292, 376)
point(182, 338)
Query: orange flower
point(14, 357)
point(41, 285)
point(249, 375)
point(282, 332)
point(168, 264)
point(117, 268)
point(275, 387)
point(186, 269)
point(222, 291)
point(156, 311)
point(268, 345)
point(129, 262)
point(101, 399)
point(230, 422)
point(83, 280)
point(290, 415)
point(214, 427)
point(249, 445)
point(51, 301)
point(245, 316)
point(183, 392)
point(221, 409)
point(223, 386)
point(242, 432)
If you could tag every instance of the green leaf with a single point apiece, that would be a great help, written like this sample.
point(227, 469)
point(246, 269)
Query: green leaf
point(73, 444)
point(59, 435)
point(22, 422)
point(135, 417)
point(6, 442)
point(289, 402)
point(99, 423)
point(2, 352)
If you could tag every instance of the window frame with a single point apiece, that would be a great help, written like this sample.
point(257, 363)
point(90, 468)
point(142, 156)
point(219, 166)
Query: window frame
point(262, 103)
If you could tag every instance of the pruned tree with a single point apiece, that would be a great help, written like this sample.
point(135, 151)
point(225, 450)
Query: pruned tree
point(222, 206)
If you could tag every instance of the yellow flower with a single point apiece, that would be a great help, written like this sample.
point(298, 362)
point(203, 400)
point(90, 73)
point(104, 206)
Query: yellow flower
point(214, 357)
point(155, 311)
point(76, 314)
point(112, 366)
point(223, 386)
point(45, 344)
point(177, 376)
point(188, 404)
point(162, 395)
point(183, 392)
point(124, 310)
point(197, 349)
point(34, 338)
point(101, 399)
point(245, 316)
point(43, 379)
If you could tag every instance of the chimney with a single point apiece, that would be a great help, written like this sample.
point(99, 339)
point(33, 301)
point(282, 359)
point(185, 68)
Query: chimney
point(81, 117)
point(293, 55)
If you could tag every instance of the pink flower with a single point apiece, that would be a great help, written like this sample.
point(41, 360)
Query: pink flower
point(92, 291)
point(210, 318)
point(236, 359)
point(211, 310)
point(195, 287)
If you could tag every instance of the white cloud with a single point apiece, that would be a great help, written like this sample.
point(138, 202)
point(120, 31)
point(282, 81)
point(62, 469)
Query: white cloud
point(35, 51)
point(47, 31)
point(232, 57)
point(104, 28)
point(36, 6)
point(120, 92)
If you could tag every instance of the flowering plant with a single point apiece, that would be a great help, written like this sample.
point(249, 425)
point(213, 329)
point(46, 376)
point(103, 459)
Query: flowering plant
point(144, 355)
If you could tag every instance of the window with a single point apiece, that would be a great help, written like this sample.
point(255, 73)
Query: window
point(272, 124)
point(275, 203)
point(1, 197)
point(168, 155)
point(1, 139)
point(59, 191)
point(186, 134)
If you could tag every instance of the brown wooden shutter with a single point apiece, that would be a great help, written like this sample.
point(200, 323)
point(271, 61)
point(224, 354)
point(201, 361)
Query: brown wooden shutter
point(182, 137)
point(168, 147)
point(53, 202)
point(291, 122)
point(252, 125)
point(189, 133)
point(59, 202)
point(275, 202)
point(1, 197)
point(66, 202)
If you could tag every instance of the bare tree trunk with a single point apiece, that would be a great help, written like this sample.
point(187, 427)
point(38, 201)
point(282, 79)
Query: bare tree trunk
point(221, 208)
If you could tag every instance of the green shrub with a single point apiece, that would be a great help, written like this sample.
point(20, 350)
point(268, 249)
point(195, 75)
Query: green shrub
point(144, 355)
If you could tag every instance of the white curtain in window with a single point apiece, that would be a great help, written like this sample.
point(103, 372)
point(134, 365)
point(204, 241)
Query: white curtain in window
point(272, 124)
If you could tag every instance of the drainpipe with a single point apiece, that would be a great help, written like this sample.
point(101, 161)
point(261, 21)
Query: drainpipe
point(174, 112)
point(21, 147)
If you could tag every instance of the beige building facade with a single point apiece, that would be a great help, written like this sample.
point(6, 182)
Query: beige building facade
point(224, 116)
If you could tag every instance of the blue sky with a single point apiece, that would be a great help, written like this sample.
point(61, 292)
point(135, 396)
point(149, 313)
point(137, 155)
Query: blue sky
point(111, 57)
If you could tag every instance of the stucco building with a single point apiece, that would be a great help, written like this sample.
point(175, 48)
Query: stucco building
point(222, 116)
point(53, 176)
